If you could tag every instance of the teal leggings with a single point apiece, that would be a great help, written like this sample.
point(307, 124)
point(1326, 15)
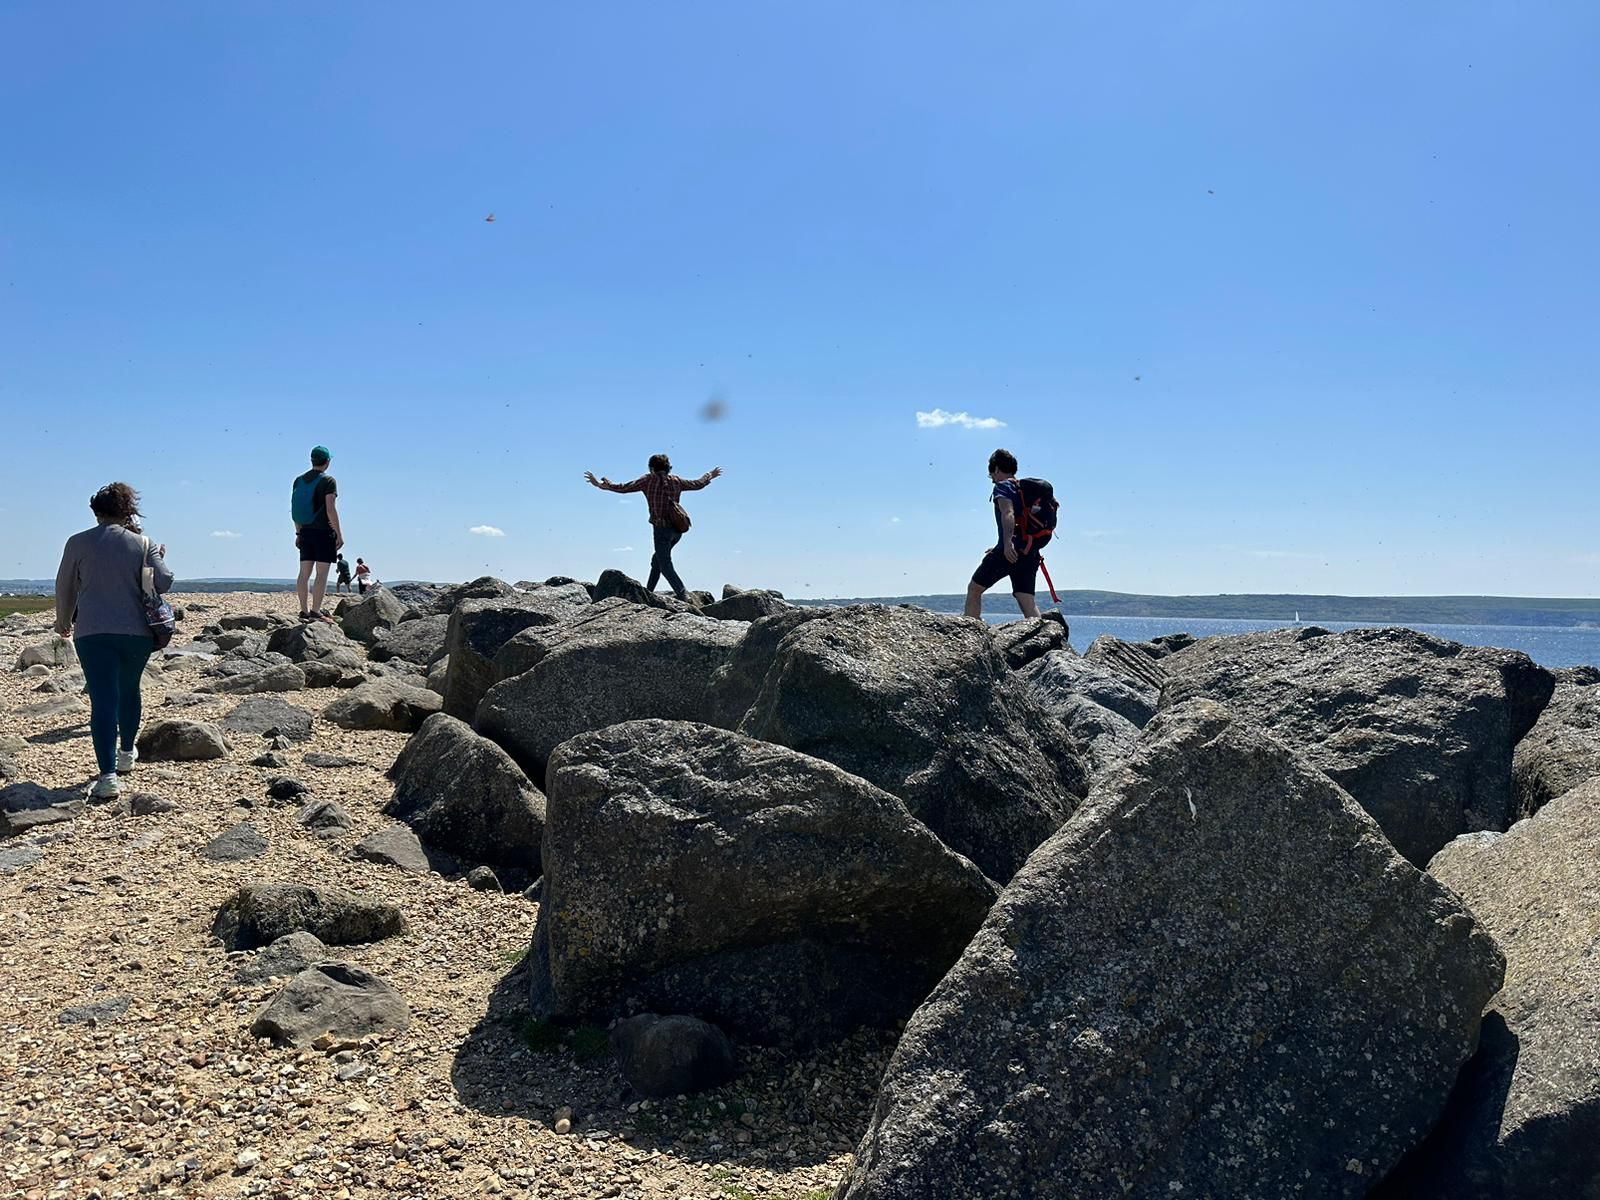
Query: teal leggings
point(113, 664)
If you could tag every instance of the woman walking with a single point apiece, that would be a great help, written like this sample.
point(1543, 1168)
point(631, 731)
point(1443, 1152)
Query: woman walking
point(661, 490)
point(100, 603)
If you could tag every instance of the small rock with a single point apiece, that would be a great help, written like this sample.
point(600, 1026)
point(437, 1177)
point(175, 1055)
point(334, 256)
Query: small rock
point(242, 841)
point(16, 858)
point(182, 741)
point(289, 955)
point(324, 815)
point(396, 847)
point(247, 1160)
point(96, 1012)
point(145, 804)
point(272, 758)
point(286, 788)
point(329, 761)
point(483, 879)
point(332, 998)
point(668, 1056)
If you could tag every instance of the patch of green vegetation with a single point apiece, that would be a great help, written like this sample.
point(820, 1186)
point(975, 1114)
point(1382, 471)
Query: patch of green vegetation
point(818, 1194)
point(26, 604)
point(590, 1043)
point(541, 1036)
point(513, 955)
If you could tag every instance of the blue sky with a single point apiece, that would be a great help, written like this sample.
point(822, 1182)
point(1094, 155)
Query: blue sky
point(1281, 297)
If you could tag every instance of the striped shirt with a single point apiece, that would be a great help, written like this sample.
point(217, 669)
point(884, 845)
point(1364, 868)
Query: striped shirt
point(661, 491)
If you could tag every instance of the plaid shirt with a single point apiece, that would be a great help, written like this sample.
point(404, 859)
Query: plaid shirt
point(661, 491)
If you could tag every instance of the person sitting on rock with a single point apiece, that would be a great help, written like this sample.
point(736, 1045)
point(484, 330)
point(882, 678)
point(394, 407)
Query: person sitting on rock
point(100, 604)
point(317, 533)
point(669, 522)
point(1007, 558)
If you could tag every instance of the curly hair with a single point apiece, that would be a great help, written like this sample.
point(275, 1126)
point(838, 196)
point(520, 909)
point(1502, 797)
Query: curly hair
point(660, 462)
point(1003, 460)
point(117, 502)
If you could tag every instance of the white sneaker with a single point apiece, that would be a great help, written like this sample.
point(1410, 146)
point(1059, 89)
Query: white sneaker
point(106, 787)
point(126, 760)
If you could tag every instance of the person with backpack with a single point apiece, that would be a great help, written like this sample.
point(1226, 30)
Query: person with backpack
point(342, 576)
point(668, 520)
point(108, 598)
point(314, 506)
point(1025, 519)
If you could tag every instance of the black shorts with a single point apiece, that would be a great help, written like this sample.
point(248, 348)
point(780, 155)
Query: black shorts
point(994, 567)
point(316, 545)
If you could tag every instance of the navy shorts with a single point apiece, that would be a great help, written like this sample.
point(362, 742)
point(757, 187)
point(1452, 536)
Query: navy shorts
point(994, 567)
point(316, 545)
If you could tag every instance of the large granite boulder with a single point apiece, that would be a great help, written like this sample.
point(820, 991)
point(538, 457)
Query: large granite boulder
point(615, 662)
point(384, 704)
point(463, 793)
point(478, 628)
point(925, 707)
point(371, 616)
point(1218, 979)
point(1101, 709)
point(1022, 642)
point(1137, 662)
point(614, 585)
point(419, 641)
point(1419, 730)
point(309, 641)
point(1524, 1120)
point(260, 913)
point(737, 682)
point(485, 587)
point(746, 606)
point(1561, 751)
point(695, 871)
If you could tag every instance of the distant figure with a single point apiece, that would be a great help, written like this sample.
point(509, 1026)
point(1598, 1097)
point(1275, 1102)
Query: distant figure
point(343, 578)
point(315, 509)
point(1024, 524)
point(100, 604)
point(363, 576)
point(661, 490)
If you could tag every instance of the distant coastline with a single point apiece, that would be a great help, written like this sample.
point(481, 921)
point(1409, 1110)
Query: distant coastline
point(1543, 612)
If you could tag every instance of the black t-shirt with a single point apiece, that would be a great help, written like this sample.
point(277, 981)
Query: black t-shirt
point(326, 486)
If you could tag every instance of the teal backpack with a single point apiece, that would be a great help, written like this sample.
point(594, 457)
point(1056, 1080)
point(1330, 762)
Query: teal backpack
point(303, 503)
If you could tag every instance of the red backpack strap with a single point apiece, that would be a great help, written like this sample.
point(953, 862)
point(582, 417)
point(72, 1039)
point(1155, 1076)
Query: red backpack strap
point(1049, 583)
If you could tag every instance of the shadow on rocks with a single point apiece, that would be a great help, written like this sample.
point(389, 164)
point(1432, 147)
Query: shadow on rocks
point(780, 1110)
point(54, 737)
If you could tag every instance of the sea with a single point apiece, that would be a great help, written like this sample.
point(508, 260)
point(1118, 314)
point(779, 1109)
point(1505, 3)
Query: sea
point(1549, 646)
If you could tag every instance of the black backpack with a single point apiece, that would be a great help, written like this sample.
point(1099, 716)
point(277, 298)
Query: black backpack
point(1036, 523)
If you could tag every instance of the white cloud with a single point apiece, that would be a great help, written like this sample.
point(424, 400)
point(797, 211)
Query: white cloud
point(225, 533)
point(487, 531)
point(894, 520)
point(939, 418)
point(622, 549)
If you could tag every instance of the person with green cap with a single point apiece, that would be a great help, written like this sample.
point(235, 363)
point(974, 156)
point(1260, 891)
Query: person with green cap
point(317, 533)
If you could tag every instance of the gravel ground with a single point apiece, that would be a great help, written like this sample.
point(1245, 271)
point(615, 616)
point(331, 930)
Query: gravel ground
point(171, 1096)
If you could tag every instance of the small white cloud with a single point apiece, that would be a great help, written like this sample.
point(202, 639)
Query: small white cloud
point(487, 531)
point(622, 549)
point(225, 533)
point(938, 418)
point(894, 520)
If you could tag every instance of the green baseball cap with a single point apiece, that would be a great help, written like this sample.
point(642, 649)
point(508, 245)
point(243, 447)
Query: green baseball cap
point(321, 454)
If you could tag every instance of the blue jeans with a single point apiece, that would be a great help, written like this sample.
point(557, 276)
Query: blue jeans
point(113, 665)
point(661, 561)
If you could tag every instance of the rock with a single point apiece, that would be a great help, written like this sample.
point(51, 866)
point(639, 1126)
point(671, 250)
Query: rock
point(1561, 751)
point(17, 858)
point(62, 683)
point(330, 761)
point(383, 704)
point(59, 706)
point(96, 1012)
point(289, 955)
point(367, 619)
point(417, 597)
point(615, 662)
point(10, 769)
point(1022, 642)
point(420, 641)
point(25, 807)
point(1580, 676)
point(1062, 674)
point(478, 628)
point(615, 584)
point(309, 640)
point(324, 673)
point(1134, 661)
point(483, 879)
point(285, 788)
point(396, 847)
point(267, 716)
point(439, 675)
point(243, 641)
point(694, 870)
point(736, 683)
point(1218, 979)
point(924, 707)
point(462, 792)
point(263, 622)
point(1524, 1120)
point(670, 1056)
point(283, 678)
point(331, 998)
point(745, 606)
point(36, 671)
point(261, 913)
point(272, 759)
point(57, 652)
point(324, 816)
point(12, 743)
point(144, 804)
point(1419, 730)
point(240, 842)
point(181, 741)
point(485, 587)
